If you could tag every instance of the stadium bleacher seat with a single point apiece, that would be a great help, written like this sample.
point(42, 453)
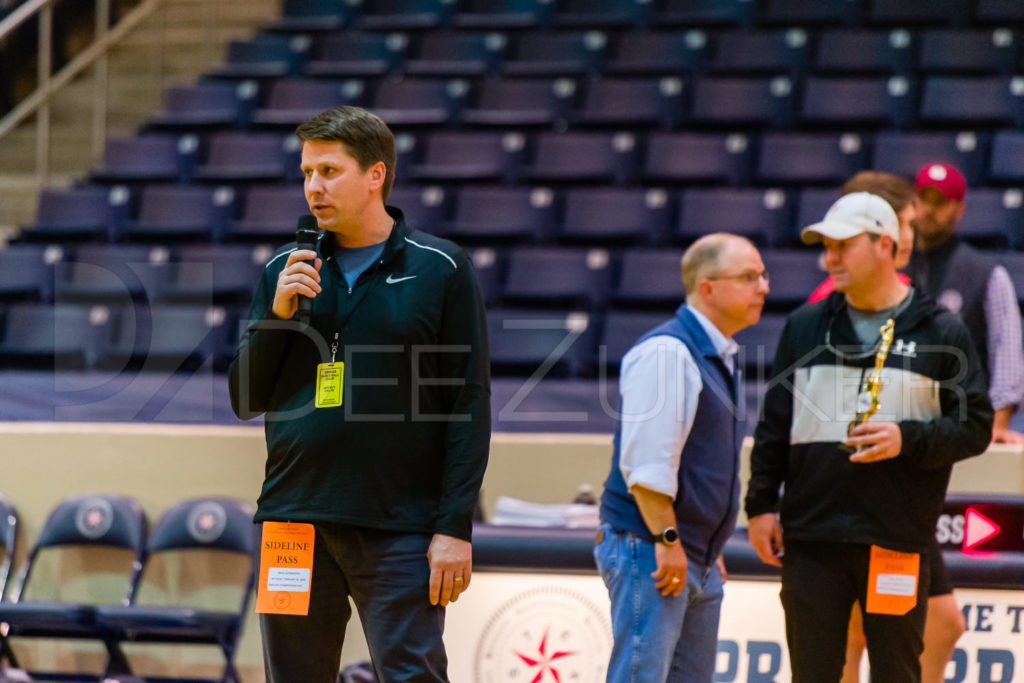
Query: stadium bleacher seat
point(166, 337)
point(523, 342)
point(961, 52)
point(758, 344)
point(601, 13)
point(1007, 163)
point(520, 102)
point(290, 101)
point(550, 276)
point(205, 106)
point(865, 52)
point(425, 208)
point(172, 213)
point(703, 13)
point(488, 264)
point(759, 215)
point(395, 15)
point(811, 206)
point(934, 12)
point(222, 274)
point(631, 102)
point(858, 103)
point(810, 158)
point(810, 12)
point(26, 271)
point(905, 153)
point(650, 279)
point(114, 274)
point(760, 52)
point(582, 157)
point(55, 336)
point(237, 157)
point(564, 53)
point(698, 158)
point(147, 159)
point(735, 102)
point(269, 214)
point(502, 14)
point(349, 54)
point(418, 101)
point(620, 330)
point(468, 156)
point(88, 213)
point(661, 53)
point(999, 11)
point(265, 56)
point(616, 216)
point(992, 219)
point(502, 215)
point(302, 16)
point(795, 273)
point(978, 101)
point(456, 54)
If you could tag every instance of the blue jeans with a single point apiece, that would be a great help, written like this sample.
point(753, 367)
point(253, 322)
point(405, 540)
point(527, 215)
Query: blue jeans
point(658, 638)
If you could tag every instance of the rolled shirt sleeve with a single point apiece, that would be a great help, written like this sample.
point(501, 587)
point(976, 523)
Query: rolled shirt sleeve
point(659, 384)
point(1005, 355)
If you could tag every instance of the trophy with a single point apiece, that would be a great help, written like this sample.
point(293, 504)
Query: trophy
point(867, 399)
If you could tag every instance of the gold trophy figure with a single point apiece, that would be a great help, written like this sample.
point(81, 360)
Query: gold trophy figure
point(867, 399)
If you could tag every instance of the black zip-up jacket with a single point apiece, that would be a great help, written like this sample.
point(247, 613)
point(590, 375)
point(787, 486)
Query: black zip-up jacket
point(407, 449)
point(933, 387)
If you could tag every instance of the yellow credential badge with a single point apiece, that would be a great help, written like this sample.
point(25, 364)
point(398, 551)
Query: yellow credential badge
point(329, 380)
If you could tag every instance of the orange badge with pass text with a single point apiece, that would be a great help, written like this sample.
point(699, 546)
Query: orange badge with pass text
point(892, 581)
point(286, 568)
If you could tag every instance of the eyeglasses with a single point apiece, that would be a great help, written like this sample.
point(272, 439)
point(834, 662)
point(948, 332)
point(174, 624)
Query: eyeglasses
point(747, 277)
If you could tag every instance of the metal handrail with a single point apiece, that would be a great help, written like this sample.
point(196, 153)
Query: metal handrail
point(38, 102)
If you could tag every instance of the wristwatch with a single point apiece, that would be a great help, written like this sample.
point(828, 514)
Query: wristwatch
point(669, 536)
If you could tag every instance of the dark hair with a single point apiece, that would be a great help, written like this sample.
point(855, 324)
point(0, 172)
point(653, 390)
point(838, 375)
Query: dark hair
point(896, 190)
point(366, 138)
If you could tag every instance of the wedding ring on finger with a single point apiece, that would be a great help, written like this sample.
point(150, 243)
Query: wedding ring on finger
point(676, 579)
point(459, 579)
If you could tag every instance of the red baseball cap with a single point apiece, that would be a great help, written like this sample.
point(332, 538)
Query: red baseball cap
point(944, 178)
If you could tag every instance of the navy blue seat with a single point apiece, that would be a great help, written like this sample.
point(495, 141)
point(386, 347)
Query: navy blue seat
point(1000, 12)
point(549, 276)
point(418, 101)
point(502, 14)
point(204, 105)
point(1007, 163)
point(905, 153)
point(112, 273)
point(26, 271)
point(397, 15)
point(742, 101)
point(758, 344)
point(698, 157)
point(55, 337)
point(932, 12)
point(620, 330)
point(601, 13)
point(811, 207)
point(222, 274)
point(151, 158)
point(858, 102)
point(502, 215)
point(794, 275)
point(358, 54)
point(265, 56)
point(269, 214)
point(169, 213)
point(167, 338)
point(865, 52)
point(111, 531)
point(632, 102)
point(248, 157)
point(1014, 264)
point(979, 101)
point(524, 342)
point(424, 208)
point(992, 219)
point(976, 51)
point(759, 215)
point(560, 53)
point(616, 216)
point(213, 538)
point(759, 52)
point(290, 101)
point(688, 13)
point(468, 156)
point(581, 157)
point(809, 12)
point(303, 16)
point(658, 53)
point(489, 267)
point(456, 54)
point(77, 213)
point(520, 102)
point(797, 158)
point(650, 278)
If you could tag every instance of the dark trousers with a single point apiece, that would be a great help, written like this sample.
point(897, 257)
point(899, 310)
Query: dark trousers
point(387, 575)
point(820, 583)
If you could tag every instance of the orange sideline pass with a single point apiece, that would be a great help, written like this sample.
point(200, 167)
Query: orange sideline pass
point(286, 568)
point(892, 581)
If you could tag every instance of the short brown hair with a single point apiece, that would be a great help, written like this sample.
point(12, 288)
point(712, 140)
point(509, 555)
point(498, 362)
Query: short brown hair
point(896, 190)
point(366, 138)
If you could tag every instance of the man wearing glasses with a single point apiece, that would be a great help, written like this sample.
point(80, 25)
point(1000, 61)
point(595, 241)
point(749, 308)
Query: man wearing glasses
point(854, 524)
point(671, 499)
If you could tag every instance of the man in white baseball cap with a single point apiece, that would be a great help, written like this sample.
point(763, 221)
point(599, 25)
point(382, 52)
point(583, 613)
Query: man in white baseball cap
point(830, 519)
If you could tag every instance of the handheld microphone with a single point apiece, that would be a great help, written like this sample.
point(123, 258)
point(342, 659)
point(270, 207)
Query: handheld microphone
point(306, 233)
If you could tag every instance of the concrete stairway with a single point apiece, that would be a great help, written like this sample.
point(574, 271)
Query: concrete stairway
point(175, 45)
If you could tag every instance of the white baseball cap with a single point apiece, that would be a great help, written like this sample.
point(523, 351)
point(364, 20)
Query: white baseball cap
point(853, 214)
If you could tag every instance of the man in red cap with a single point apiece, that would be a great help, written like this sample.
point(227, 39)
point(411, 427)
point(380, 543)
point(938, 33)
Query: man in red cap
point(971, 285)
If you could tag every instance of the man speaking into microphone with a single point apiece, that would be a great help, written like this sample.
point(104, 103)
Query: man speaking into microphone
point(377, 414)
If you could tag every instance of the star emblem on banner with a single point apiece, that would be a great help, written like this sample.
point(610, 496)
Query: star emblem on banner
point(543, 660)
